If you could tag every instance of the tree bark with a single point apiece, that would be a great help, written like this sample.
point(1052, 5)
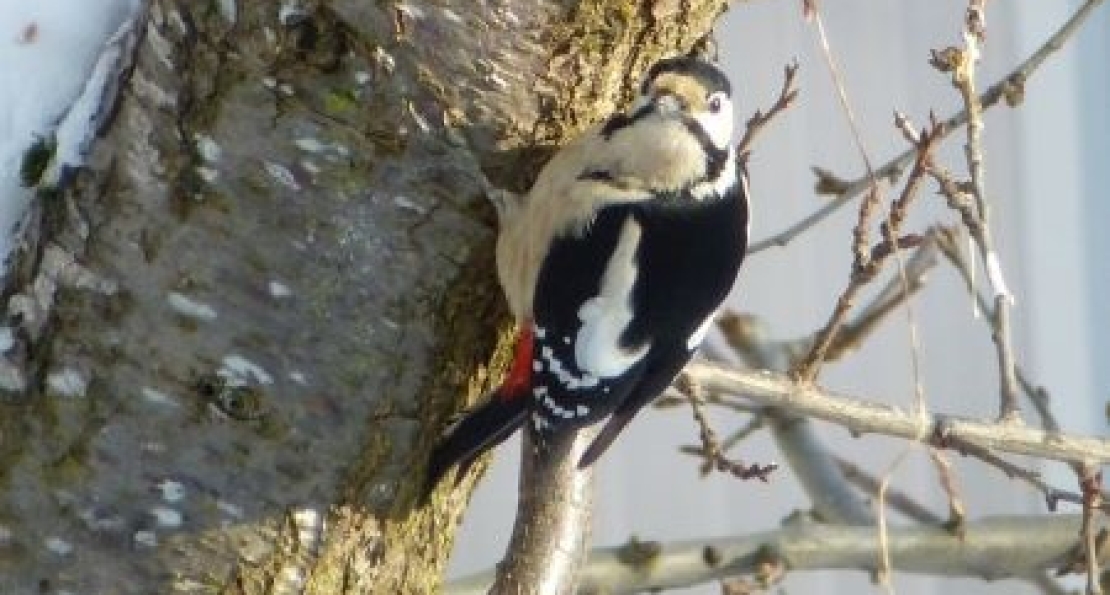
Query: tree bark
point(246, 323)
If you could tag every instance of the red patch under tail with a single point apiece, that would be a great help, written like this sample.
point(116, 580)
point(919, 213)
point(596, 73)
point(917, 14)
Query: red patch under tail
point(519, 380)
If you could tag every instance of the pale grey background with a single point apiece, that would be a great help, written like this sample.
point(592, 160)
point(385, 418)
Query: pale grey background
point(1047, 168)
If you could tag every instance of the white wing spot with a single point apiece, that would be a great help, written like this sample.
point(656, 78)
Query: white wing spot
point(582, 411)
point(565, 377)
point(605, 317)
point(556, 409)
point(539, 423)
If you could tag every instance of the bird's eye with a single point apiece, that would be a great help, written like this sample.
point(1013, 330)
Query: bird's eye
point(715, 103)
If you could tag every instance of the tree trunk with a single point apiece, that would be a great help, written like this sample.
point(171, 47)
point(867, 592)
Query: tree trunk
point(246, 323)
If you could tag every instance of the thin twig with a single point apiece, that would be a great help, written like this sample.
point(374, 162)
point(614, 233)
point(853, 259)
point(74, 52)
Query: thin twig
point(787, 95)
point(957, 514)
point(894, 294)
point(714, 457)
point(897, 500)
point(867, 264)
point(963, 65)
point(1037, 395)
point(841, 90)
point(757, 422)
point(748, 338)
point(1090, 484)
point(911, 508)
point(1010, 88)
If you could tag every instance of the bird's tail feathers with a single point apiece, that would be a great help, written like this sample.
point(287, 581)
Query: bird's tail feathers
point(478, 431)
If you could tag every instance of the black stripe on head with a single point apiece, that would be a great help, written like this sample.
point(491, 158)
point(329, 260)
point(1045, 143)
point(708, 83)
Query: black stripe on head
point(622, 120)
point(715, 157)
point(707, 74)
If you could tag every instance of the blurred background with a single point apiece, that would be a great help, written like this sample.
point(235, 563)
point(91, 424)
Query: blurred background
point(1047, 165)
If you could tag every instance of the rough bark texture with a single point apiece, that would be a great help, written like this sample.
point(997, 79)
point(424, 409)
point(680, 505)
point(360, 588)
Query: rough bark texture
point(246, 324)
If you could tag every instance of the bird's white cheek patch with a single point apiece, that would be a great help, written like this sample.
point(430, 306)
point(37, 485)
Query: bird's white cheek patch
point(597, 347)
point(718, 125)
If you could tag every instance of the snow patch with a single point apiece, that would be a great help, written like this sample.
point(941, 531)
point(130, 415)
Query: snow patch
point(190, 308)
point(59, 62)
point(311, 145)
point(240, 370)
point(67, 383)
point(207, 148)
point(282, 175)
point(279, 290)
point(166, 517)
point(291, 13)
point(453, 16)
point(231, 510)
point(208, 174)
point(172, 491)
point(7, 339)
point(408, 204)
point(58, 546)
point(229, 10)
point(412, 11)
point(157, 397)
point(146, 538)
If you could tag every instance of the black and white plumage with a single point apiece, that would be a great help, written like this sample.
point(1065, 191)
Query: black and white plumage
point(614, 265)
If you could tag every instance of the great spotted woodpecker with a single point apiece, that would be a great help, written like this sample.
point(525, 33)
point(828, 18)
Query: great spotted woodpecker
point(614, 264)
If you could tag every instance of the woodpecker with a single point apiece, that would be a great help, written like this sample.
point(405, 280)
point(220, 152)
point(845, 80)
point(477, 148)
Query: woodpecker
point(614, 264)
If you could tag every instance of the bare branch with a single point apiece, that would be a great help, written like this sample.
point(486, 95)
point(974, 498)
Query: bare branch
point(908, 506)
point(992, 548)
point(809, 458)
point(861, 416)
point(1010, 89)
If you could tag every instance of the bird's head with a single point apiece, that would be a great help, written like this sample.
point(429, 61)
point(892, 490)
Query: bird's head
point(686, 87)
